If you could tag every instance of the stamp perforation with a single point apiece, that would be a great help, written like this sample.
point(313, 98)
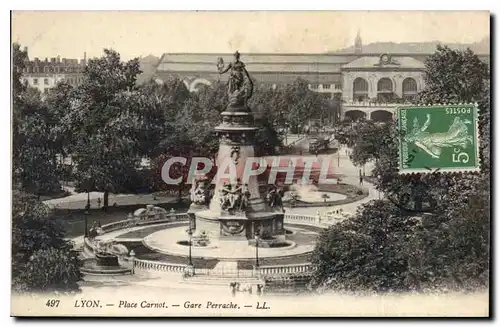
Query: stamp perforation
point(441, 170)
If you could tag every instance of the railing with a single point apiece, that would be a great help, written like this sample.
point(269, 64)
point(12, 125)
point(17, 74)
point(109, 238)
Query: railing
point(301, 218)
point(285, 269)
point(372, 104)
point(144, 221)
point(181, 268)
point(159, 266)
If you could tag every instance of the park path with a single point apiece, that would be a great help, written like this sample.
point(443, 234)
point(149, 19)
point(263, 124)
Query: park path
point(339, 161)
point(79, 200)
point(343, 165)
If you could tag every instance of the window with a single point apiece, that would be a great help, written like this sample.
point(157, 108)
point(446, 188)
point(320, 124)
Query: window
point(360, 89)
point(385, 90)
point(35, 81)
point(409, 89)
point(326, 86)
point(384, 85)
point(46, 81)
point(45, 69)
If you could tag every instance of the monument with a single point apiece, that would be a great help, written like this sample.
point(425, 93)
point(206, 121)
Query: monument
point(236, 210)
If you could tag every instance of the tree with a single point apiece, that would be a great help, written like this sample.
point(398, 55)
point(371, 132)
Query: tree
point(366, 138)
point(50, 270)
point(267, 139)
point(35, 166)
point(42, 259)
point(365, 253)
point(301, 104)
point(449, 244)
point(453, 76)
point(111, 121)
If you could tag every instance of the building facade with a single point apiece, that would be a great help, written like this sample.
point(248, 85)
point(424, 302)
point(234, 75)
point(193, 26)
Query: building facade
point(370, 85)
point(45, 74)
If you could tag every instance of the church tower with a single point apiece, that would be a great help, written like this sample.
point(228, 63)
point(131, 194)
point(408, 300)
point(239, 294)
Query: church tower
point(358, 44)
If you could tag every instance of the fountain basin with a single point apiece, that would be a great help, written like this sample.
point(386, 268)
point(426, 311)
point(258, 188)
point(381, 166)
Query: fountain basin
point(106, 260)
point(92, 266)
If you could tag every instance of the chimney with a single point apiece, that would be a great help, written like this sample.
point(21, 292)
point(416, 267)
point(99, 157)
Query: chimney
point(25, 49)
point(58, 59)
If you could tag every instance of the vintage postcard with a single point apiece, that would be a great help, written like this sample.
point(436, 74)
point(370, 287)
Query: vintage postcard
point(251, 164)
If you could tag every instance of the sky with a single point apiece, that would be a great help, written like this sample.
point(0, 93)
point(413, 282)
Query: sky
point(140, 33)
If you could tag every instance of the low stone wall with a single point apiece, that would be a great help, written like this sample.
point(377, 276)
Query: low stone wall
point(160, 266)
point(143, 221)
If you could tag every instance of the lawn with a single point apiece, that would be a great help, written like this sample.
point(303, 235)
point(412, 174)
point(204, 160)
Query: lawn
point(141, 233)
point(73, 221)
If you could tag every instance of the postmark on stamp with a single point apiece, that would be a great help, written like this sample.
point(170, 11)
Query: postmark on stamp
point(438, 138)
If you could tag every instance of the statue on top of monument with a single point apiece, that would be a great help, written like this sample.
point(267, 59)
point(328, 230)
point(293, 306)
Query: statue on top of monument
point(240, 86)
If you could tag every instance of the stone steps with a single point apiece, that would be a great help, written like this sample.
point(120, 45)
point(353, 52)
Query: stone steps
point(221, 280)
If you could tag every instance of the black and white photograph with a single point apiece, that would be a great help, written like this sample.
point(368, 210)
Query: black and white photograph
point(250, 164)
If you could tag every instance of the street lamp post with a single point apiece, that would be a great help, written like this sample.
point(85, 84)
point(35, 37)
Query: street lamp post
point(86, 213)
point(190, 233)
point(256, 250)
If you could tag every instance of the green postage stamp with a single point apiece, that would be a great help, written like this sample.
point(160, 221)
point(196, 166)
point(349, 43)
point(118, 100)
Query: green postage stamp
point(440, 138)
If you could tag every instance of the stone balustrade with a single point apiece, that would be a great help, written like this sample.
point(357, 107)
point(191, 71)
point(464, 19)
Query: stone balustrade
point(301, 218)
point(285, 269)
point(159, 266)
point(372, 104)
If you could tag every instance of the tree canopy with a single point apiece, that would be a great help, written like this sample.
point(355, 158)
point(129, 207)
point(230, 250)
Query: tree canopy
point(434, 227)
point(42, 259)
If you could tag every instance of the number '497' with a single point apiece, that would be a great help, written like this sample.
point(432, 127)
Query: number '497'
point(52, 303)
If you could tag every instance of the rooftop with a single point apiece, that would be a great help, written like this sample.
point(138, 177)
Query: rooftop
point(391, 62)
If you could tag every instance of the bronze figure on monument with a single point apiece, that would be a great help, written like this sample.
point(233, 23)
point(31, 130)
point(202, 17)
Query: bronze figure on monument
point(240, 85)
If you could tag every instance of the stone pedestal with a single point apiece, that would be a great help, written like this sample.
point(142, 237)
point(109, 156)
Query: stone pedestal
point(237, 210)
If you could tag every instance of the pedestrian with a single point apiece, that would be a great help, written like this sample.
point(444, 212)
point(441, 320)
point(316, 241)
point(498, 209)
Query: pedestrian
point(98, 203)
point(259, 289)
point(233, 288)
point(360, 178)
